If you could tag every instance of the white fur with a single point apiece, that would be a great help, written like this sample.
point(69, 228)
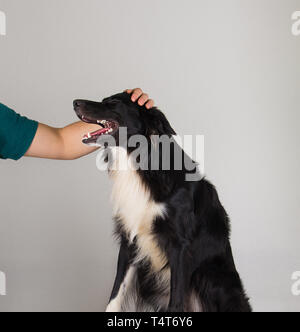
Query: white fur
point(194, 304)
point(134, 205)
point(116, 304)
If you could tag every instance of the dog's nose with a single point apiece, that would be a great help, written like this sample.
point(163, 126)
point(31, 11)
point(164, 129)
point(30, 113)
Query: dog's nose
point(78, 103)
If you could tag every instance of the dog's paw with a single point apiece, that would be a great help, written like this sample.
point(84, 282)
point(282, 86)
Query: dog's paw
point(114, 306)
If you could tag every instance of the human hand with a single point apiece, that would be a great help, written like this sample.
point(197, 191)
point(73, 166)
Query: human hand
point(141, 98)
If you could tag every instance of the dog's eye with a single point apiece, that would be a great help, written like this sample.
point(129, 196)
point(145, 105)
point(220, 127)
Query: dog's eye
point(111, 103)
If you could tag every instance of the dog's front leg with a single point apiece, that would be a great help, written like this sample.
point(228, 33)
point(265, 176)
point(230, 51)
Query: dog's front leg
point(123, 274)
point(180, 276)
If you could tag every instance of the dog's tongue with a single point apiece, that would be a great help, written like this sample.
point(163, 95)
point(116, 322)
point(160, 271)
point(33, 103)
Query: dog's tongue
point(96, 133)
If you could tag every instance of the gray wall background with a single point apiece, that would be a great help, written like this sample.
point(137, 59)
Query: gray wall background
point(226, 69)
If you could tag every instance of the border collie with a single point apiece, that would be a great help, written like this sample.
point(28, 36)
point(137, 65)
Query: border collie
point(175, 253)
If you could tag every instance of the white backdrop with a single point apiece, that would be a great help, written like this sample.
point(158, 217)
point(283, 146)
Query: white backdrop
point(228, 70)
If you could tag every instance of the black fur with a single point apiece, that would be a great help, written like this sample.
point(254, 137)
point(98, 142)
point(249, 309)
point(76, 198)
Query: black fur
point(195, 233)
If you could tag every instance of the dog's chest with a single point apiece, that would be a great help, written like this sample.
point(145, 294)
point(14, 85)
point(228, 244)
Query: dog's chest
point(137, 211)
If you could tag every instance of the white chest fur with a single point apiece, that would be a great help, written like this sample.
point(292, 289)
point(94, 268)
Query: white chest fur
point(135, 207)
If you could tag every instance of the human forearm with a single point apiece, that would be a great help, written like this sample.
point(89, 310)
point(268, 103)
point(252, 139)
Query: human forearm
point(61, 143)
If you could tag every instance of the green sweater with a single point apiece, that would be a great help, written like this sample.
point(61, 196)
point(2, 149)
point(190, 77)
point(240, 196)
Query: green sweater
point(16, 133)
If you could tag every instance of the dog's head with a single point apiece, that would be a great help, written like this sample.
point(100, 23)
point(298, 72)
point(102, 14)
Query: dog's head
point(119, 111)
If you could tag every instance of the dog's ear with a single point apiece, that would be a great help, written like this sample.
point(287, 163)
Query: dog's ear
point(157, 123)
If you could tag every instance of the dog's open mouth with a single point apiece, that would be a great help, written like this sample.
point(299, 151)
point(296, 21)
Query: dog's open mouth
point(109, 127)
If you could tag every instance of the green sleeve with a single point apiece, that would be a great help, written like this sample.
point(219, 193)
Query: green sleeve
point(16, 133)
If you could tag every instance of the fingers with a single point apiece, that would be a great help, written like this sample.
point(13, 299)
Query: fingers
point(137, 93)
point(141, 97)
point(150, 104)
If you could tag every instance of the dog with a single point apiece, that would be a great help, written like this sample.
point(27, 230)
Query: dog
point(175, 253)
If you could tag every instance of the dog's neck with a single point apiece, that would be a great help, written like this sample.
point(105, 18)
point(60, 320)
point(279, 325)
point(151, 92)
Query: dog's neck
point(132, 198)
point(159, 183)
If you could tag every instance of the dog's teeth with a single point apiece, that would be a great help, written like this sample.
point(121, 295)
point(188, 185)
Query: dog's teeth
point(89, 135)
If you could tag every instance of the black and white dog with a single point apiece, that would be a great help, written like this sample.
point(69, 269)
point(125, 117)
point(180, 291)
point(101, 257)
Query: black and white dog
point(175, 252)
